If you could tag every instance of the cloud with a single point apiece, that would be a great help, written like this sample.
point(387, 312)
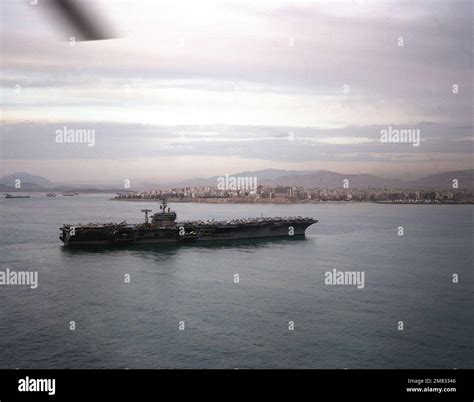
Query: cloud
point(281, 144)
point(234, 80)
point(199, 56)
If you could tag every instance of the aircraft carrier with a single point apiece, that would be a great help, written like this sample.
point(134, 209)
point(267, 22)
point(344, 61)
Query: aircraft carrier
point(163, 228)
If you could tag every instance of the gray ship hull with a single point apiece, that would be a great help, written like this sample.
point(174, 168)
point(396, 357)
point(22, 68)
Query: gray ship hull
point(185, 233)
point(163, 229)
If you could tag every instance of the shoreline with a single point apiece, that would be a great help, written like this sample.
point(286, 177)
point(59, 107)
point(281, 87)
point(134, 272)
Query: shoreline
point(285, 202)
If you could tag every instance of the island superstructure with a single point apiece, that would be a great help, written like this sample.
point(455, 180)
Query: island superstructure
point(163, 228)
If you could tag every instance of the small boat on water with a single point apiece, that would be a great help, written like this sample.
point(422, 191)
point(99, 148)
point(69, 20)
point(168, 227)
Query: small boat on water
point(51, 195)
point(16, 196)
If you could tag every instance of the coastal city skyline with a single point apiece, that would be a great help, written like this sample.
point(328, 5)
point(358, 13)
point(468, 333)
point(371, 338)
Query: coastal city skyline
point(292, 194)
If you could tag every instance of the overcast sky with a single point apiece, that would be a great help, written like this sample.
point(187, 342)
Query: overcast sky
point(207, 88)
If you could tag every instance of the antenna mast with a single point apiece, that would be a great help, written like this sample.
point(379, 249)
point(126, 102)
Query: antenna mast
point(146, 215)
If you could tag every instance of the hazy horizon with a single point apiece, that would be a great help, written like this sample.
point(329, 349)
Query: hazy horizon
point(140, 182)
point(217, 87)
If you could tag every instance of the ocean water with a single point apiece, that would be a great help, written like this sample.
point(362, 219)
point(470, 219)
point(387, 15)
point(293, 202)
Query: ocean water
point(240, 325)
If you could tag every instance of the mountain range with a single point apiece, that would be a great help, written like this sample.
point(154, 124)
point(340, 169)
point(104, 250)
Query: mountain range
point(327, 179)
point(271, 177)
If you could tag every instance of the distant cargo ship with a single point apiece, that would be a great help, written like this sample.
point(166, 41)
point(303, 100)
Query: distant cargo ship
point(51, 195)
point(70, 194)
point(163, 228)
point(16, 196)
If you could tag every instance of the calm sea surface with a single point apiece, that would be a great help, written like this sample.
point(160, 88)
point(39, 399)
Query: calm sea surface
point(136, 325)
